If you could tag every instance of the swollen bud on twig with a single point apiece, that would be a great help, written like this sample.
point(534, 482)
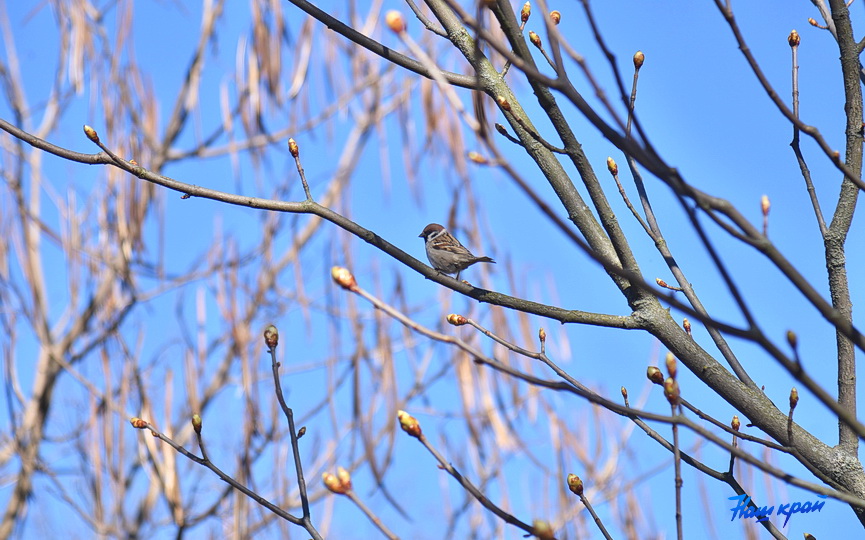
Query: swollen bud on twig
point(91, 133)
point(612, 167)
point(535, 39)
point(672, 369)
point(794, 398)
point(654, 374)
point(503, 103)
point(526, 12)
point(542, 335)
point(575, 484)
point(639, 58)
point(293, 148)
point(477, 158)
point(332, 483)
point(301, 432)
point(501, 129)
point(662, 283)
point(196, 423)
point(671, 391)
point(686, 324)
point(765, 205)
point(271, 336)
point(735, 424)
point(409, 424)
point(812, 22)
point(343, 278)
point(137, 423)
point(395, 21)
point(344, 478)
point(542, 530)
point(456, 320)
point(792, 339)
point(625, 393)
point(793, 38)
point(556, 17)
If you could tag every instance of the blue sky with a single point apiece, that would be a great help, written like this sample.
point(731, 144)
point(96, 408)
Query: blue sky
point(703, 110)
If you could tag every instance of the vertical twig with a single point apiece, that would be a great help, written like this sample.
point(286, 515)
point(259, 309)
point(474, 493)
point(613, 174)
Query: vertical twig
point(271, 338)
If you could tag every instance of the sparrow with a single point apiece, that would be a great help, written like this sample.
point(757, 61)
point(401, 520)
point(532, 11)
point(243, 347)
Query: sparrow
point(445, 253)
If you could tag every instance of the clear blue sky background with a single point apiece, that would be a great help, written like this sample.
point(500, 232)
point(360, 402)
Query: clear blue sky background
point(702, 108)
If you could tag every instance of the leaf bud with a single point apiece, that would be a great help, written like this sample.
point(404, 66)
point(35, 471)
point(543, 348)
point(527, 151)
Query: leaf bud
point(409, 424)
point(395, 21)
point(343, 278)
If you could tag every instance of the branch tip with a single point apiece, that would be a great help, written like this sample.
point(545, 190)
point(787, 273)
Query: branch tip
point(344, 278)
point(575, 484)
point(456, 319)
point(654, 374)
point(409, 424)
point(271, 336)
point(91, 133)
point(395, 21)
point(672, 367)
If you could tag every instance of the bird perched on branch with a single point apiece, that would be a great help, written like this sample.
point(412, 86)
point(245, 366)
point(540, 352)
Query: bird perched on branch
point(445, 253)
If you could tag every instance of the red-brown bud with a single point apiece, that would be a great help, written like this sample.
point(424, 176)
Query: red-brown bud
point(793, 38)
point(271, 336)
point(409, 424)
point(575, 484)
point(671, 391)
point(535, 39)
point(542, 530)
point(343, 278)
point(503, 103)
point(624, 392)
point(526, 12)
point(501, 129)
point(612, 167)
point(301, 432)
point(672, 368)
point(639, 58)
point(293, 148)
point(477, 158)
point(735, 424)
point(794, 398)
point(137, 423)
point(344, 478)
point(332, 483)
point(196, 423)
point(457, 320)
point(686, 324)
point(556, 17)
point(654, 374)
point(395, 21)
point(91, 133)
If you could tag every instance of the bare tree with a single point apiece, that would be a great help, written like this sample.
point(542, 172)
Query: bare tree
point(237, 279)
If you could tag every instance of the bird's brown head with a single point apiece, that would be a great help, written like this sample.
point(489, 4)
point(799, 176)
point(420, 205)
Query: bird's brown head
point(432, 228)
